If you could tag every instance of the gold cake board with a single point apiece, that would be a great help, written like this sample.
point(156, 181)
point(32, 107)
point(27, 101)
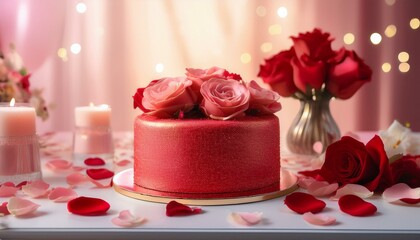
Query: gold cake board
point(123, 183)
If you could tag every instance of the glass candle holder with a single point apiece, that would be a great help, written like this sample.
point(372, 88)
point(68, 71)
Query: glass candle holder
point(94, 140)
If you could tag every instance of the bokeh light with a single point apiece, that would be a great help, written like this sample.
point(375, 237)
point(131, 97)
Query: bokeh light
point(75, 48)
point(390, 31)
point(282, 12)
point(403, 57)
point(275, 29)
point(404, 67)
point(386, 67)
point(159, 67)
point(390, 2)
point(266, 47)
point(261, 11)
point(414, 23)
point(81, 7)
point(375, 38)
point(348, 38)
point(246, 58)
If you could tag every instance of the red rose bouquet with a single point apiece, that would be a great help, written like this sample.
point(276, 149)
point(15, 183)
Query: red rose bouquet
point(310, 69)
point(14, 83)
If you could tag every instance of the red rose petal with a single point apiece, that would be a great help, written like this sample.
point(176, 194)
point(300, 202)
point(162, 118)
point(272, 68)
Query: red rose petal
point(355, 206)
point(410, 200)
point(99, 173)
point(302, 202)
point(3, 209)
point(174, 208)
point(94, 161)
point(87, 206)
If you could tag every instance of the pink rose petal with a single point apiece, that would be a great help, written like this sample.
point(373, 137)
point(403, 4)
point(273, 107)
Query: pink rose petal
point(401, 191)
point(305, 182)
point(317, 147)
point(322, 188)
point(355, 206)
point(94, 161)
point(123, 162)
point(8, 191)
point(301, 203)
point(318, 219)
point(3, 209)
point(20, 207)
point(174, 208)
point(36, 189)
point(126, 219)
point(352, 189)
point(58, 165)
point(75, 179)
point(246, 218)
point(60, 194)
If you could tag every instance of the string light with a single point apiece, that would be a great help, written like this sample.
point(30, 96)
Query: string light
point(159, 67)
point(390, 31)
point(376, 38)
point(246, 58)
point(386, 67)
point(282, 12)
point(81, 7)
point(75, 48)
point(348, 38)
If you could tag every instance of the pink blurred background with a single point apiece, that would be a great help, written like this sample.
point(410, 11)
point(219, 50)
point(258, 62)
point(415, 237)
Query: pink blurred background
point(125, 44)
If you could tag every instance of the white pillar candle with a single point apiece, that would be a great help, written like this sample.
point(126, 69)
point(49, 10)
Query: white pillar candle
point(17, 120)
point(93, 116)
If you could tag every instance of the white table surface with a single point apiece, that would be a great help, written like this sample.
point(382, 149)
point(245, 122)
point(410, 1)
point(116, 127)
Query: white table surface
point(53, 221)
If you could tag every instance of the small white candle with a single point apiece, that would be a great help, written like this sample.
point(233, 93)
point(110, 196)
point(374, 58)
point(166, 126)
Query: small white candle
point(17, 120)
point(93, 116)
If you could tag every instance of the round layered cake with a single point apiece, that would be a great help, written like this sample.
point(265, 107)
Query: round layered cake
point(206, 158)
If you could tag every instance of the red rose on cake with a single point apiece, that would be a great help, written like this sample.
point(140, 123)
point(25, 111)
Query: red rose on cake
point(214, 92)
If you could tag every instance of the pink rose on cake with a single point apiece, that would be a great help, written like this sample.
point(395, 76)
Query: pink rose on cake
point(224, 98)
point(214, 93)
point(263, 100)
point(166, 96)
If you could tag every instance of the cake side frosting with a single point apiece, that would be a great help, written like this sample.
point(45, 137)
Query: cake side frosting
point(205, 157)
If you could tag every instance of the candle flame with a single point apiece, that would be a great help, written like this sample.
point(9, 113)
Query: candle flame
point(12, 102)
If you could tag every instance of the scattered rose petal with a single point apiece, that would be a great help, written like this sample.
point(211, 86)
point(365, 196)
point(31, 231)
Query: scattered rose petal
point(8, 191)
point(352, 189)
point(75, 179)
point(355, 206)
point(36, 189)
point(126, 219)
point(8, 184)
point(318, 219)
point(94, 161)
point(302, 202)
point(19, 206)
point(322, 188)
point(58, 165)
point(61, 194)
point(401, 191)
point(246, 218)
point(123, 162)
point(174, 208)
point(305, 182)
point(100, 185)
point(3, 209)
point(87, 206)
point(21, 184)
point(99, 173)
point(317, 147)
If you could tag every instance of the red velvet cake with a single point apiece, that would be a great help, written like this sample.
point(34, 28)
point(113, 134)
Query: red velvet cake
point(206, 158)
point(208, 135)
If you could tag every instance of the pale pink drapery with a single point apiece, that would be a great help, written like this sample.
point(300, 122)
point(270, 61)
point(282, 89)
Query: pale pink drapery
point(122, 41)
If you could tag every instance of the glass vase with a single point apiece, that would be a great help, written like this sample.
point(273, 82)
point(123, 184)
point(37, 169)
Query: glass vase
point(314, 123)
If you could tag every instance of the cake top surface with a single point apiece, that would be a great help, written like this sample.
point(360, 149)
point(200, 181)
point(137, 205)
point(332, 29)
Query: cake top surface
point(212, 93)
